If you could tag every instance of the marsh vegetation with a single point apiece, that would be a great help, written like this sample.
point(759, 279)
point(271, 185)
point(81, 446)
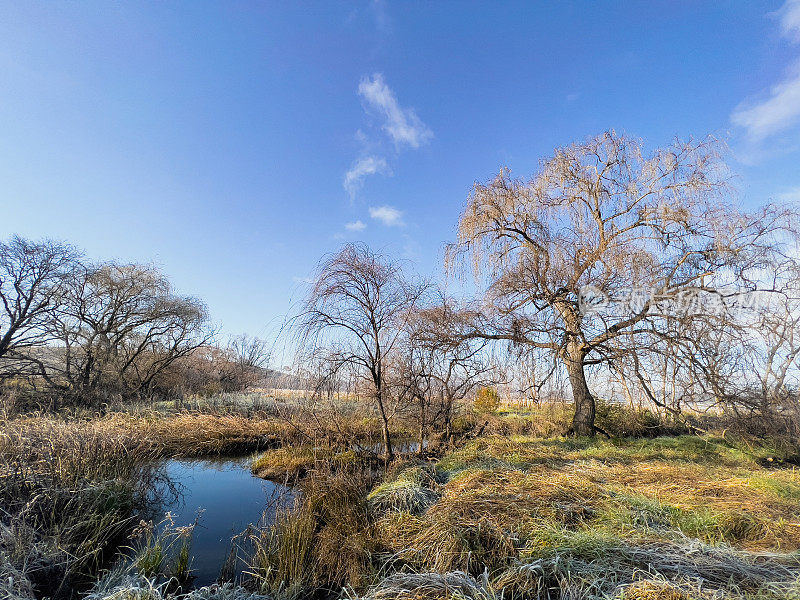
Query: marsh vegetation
point(542, 437)
point(516, 512)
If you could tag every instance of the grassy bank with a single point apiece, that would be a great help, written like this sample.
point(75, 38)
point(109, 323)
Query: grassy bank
point(524, 517)
point(73, 486)
point(514, 513)
point(195, 433)
point(69, 497)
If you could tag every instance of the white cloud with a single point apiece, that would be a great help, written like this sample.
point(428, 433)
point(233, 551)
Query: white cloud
point(368, 165)
point(389, 216)
point(355, 226)
point(789, 16)
point(402, 124)
point(775, 114)
point(780, 110)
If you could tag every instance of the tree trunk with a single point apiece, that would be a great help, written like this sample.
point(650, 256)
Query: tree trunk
point(422, 424)
point(583, 421)
point(388, 454)
point(448, 422)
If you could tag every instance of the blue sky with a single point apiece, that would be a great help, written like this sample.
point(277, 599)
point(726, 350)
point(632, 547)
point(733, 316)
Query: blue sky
point(234, 143)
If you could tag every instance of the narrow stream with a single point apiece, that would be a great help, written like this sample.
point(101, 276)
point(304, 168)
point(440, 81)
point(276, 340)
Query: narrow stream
point(227, 499)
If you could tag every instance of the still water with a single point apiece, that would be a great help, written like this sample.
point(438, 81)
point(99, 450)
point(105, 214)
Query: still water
point(227, 499)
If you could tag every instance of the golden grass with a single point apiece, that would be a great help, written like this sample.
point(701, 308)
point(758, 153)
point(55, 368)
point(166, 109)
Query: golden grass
point(649, 590)
point(697, 487)
point(283, 463)
point(181, 434)
point(294, 462)
point(325, 541)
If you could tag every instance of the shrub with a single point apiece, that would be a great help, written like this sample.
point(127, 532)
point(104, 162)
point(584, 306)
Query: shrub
point(487, 400)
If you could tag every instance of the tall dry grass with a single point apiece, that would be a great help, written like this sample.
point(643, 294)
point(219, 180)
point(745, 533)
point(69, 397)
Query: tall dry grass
point(69, 496)
point(325, 541)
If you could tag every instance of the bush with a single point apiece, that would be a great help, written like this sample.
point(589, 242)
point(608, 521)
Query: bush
point(621, 420)
point(487, 400)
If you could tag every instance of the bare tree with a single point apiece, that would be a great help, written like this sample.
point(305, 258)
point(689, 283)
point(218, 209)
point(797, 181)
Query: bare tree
point(442, 365)
point(243, 362)
point(119, 327)
point(750, 366)
point(602, 219)
point(358, 305)
point(33, 276)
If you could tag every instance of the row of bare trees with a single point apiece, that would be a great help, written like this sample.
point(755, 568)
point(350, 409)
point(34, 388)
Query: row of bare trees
point(83, 332)
point(615, 271)
point(628, 271)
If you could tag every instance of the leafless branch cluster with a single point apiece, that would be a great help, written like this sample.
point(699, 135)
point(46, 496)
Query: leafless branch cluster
point(80, 332)
point(604, 214)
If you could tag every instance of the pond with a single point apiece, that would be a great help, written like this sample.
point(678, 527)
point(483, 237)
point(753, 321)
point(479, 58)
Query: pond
point(227, 498)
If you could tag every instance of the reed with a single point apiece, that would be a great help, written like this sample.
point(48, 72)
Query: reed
point(325, 541)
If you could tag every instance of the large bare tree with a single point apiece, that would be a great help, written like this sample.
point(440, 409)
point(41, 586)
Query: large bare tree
point(118, 328)
point(606, 219)
point(357, 307)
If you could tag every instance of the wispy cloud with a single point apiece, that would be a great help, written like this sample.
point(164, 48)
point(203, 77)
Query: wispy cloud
point(363, 167)
point(388, 215)
point(402, 128)
point(402, 124)
point(355, 226)
point(789, 17)
point(779, 109)
point(777, 113)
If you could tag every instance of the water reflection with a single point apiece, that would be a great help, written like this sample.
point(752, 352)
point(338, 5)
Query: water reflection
point(227, 499)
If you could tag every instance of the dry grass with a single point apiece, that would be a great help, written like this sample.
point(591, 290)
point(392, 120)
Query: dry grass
point(514, 516)
point(594, 569)
point(325, 541)
point(431, 586)
point(287, 463)
point(698, 487)
point(294, 462)
point(200, 433)
point(588, 515)
point(68, 498)
point(413, 490)
point(484, 519)
point(150, 435)
point(126, 585)
point(587, 519)
point(196, 434)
